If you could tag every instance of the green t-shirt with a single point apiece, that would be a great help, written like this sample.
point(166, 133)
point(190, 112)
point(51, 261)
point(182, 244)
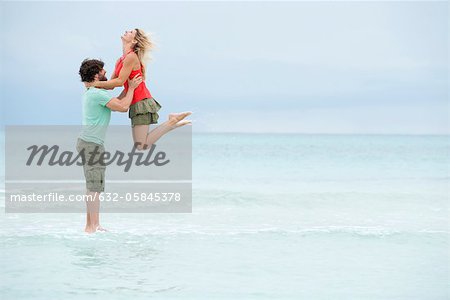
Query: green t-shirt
point(96, 115)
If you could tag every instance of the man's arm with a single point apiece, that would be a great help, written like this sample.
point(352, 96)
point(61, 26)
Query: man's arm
point(128, 63)
point(122, 104)
point(122, 94)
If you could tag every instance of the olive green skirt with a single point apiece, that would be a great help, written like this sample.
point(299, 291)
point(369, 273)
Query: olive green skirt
point(144, 112)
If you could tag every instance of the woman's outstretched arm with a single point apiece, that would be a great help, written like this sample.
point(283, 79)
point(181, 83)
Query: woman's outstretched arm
point(113, 76)
point(125, 72)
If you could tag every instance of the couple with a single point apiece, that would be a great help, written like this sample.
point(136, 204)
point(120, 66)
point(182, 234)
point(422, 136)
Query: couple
point(135, 98)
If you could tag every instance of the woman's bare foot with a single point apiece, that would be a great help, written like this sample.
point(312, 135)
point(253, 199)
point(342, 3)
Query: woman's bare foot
point(179, 116)
point(176, 119)
point(182, 123)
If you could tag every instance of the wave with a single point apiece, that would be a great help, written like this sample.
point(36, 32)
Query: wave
point(327, 231)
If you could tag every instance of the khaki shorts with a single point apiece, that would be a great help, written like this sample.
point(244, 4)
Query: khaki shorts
point(144, 112)
point(94, 172)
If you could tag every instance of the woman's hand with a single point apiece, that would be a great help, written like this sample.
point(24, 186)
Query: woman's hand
point(95, 83)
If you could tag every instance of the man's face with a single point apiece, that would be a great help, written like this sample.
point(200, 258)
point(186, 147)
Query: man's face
point(101, 76)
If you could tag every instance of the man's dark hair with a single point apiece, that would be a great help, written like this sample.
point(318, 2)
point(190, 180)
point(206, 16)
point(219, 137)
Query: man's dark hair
point(89, 68)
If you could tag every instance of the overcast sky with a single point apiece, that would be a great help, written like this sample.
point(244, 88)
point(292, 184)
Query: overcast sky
point(308, 67)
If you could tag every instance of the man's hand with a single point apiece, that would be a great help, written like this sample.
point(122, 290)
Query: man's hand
point(133, 83)
point(117, 104)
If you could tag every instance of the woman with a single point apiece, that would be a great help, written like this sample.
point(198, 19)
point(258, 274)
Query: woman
point(144, 108)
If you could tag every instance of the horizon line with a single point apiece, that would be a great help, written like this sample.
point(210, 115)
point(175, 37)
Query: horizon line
point(2, 128)
point(317, 133)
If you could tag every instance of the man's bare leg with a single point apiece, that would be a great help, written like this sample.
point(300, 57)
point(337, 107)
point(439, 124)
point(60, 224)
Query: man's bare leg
point(88, 221)
point(144, 137)
point(93, 212)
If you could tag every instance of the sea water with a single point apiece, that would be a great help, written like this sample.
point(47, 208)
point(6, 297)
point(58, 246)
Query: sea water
point(275, 216)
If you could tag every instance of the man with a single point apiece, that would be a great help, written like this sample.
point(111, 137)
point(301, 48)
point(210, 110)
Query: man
point(97, 107)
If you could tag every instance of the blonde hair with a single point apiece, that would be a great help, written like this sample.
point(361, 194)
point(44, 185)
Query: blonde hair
point(143, 47)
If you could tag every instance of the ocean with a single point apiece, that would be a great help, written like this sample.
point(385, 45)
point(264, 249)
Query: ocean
point(274, 216)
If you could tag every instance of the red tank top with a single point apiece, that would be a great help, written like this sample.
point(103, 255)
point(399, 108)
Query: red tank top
point(141, 92)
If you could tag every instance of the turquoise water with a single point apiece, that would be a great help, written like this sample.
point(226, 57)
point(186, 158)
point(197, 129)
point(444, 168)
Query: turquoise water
point(274, 216)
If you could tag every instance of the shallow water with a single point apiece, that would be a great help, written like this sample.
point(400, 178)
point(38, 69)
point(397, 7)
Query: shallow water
point(274, 216)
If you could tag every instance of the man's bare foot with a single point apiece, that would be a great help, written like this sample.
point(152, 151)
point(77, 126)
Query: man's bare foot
point(179, 116)
point(99, 228)
point(92, 229)
point(89, 229)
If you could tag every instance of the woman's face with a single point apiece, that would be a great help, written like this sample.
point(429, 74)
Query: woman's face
point(129, 35)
